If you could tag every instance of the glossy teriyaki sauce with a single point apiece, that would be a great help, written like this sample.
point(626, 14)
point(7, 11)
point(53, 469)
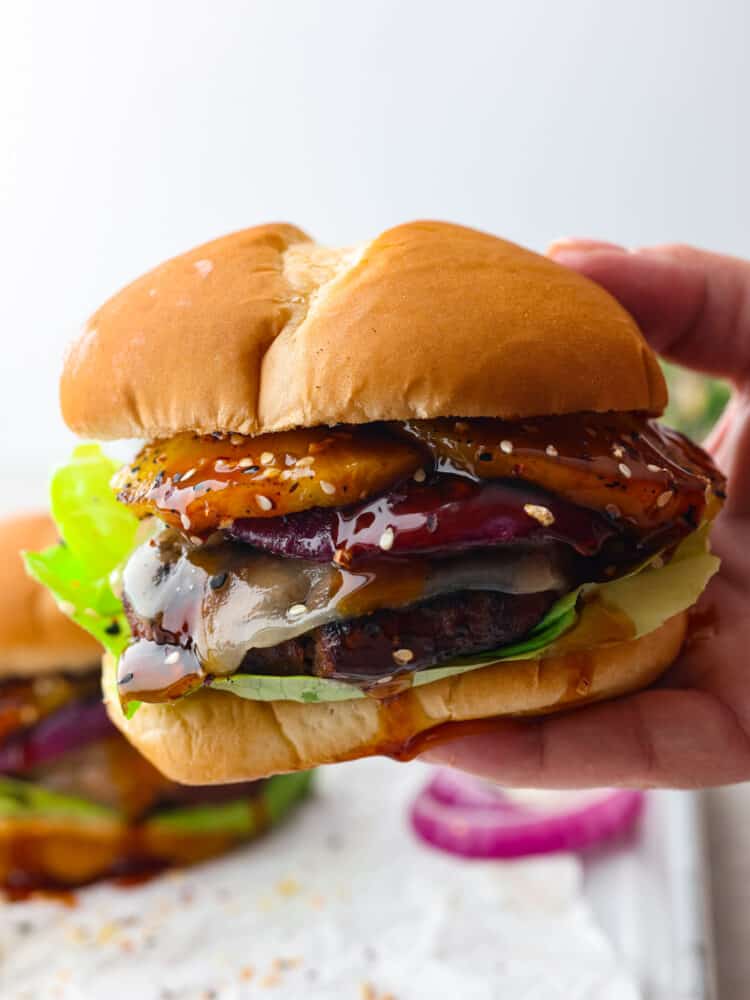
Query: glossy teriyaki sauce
point(352, 520)
point(201, 483)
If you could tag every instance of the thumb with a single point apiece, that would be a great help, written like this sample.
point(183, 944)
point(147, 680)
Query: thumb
point(693, 306)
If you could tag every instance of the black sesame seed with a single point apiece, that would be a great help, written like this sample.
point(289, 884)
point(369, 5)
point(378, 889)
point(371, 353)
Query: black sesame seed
point(250, 469)
point(218, 581)
point(162, 572)
point(485, 456)
point(159, 479)
point(113, 628)
point(126, 679)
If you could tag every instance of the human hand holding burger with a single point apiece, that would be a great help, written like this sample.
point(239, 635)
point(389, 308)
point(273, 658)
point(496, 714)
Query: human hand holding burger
point(693, 729)
point(385, 488)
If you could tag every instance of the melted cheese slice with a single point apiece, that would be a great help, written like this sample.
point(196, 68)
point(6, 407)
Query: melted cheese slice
point(230, 598)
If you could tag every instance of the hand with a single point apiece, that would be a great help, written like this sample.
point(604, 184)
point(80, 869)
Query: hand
point(693, 729)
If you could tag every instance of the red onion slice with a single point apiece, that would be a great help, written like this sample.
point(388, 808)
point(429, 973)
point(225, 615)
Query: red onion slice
point(448, 514)
point(471, 818)
point(454, 788)
point(70, 727)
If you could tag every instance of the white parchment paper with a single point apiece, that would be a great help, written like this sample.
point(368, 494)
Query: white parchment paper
point(342, 902)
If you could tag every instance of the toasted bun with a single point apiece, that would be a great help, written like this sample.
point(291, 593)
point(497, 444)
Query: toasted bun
point(212, 737)
point(35, 636)
point(264, 330)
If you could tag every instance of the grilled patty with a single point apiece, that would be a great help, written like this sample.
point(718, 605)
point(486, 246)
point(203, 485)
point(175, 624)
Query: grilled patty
point(389, 642)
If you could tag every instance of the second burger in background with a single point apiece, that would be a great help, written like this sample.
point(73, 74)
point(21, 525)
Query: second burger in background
point(77, 802)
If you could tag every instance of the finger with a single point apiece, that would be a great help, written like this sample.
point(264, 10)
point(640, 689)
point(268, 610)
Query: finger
point(734, 458)
point(720, 434)
point(693, 306)
point(681, 739)
point(580, 243)
point(729, 444)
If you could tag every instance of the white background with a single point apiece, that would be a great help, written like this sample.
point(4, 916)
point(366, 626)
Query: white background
point(131, 131)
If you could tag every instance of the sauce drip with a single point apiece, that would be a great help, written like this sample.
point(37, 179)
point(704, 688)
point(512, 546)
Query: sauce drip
point(138, 876)
point(579, 668)
point(428, 739)
point(599, 623)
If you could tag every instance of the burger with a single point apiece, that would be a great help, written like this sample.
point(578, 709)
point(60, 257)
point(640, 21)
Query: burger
point(383, 489)
point(76, 800)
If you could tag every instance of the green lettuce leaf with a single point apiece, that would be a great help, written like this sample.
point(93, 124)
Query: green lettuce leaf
point(649, 595)
point(98, 534)
point(260, 687)
point(655, 593)
point(283, 790)
point(25, 800)
point(239, 818)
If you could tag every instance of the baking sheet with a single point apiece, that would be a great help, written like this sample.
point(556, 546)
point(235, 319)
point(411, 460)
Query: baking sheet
point(652, 897)
point(344, 902)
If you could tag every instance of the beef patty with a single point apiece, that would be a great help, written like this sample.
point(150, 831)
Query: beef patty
point(388, 642)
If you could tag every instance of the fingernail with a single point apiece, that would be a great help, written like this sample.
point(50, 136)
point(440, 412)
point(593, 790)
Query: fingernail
point(569, 247)
point(439, 756)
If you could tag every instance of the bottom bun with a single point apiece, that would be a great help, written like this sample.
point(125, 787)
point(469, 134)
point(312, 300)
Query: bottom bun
point(212, 737)
point(43, 853)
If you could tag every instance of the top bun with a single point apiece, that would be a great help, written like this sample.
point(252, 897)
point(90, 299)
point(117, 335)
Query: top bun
point(35, 637)
point(264, 330)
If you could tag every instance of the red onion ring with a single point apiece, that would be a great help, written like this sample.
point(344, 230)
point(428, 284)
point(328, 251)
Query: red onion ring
point(448, 514)
point(454, 788)
point(70, 727)
point(471, 818)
